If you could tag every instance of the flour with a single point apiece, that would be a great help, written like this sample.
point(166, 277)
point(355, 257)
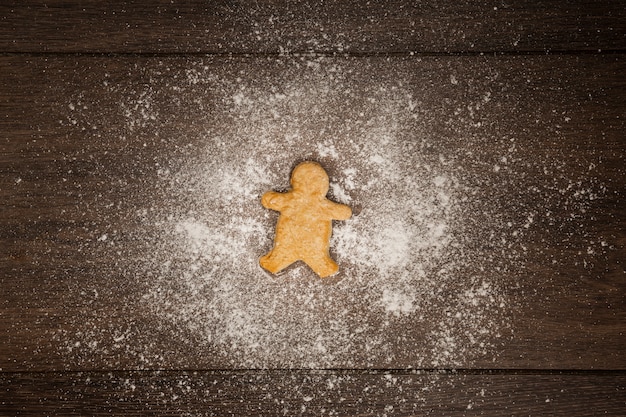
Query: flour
point(339, 194)
point(398, 303)
point(424, 262)
point(391, 252)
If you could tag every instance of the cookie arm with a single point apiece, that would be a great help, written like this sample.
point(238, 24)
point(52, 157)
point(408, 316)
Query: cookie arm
point(274, 201)
point(338, 211)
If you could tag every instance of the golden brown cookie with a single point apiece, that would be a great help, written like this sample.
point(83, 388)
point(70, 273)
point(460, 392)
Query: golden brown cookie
point(305, 223)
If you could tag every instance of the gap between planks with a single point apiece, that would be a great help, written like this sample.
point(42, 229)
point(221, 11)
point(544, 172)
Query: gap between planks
point(312, 54)
point(343, 371)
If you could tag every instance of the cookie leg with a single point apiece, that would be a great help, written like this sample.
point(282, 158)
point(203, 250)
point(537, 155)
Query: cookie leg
point(323, 265)
point(276, 261)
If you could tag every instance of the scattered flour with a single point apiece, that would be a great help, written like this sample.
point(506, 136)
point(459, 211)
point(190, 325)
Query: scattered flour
point(398, 303)
point(397, 253)
point(424, 261)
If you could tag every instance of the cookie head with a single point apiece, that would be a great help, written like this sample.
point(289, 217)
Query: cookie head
point(310, 178)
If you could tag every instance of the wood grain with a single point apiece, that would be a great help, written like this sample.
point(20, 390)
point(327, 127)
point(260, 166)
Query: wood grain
point(340, 393)
point(103, 107)
point(73, 167)
point(240, 27)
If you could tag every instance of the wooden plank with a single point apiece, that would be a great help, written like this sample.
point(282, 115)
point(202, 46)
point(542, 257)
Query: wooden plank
point(271, 393)
point(489, 192)
point(390, 26)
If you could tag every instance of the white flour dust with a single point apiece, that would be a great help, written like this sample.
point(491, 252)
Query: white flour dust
point(424, 261)
point(399, 255)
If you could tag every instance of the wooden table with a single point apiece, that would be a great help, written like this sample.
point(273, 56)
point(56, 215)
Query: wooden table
point(480, 145)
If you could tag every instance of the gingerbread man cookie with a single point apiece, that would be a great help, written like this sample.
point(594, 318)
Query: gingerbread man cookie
point(305, 223)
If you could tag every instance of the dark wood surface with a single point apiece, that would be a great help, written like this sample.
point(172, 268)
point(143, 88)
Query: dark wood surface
point(388, 26)
point(312, 393)
point(565, 313)
point(92, 144)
